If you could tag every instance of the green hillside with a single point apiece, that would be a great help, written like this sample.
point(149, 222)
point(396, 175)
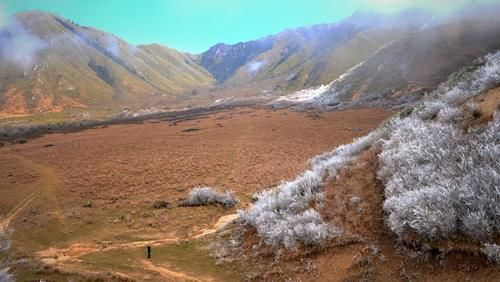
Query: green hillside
point(82, 67)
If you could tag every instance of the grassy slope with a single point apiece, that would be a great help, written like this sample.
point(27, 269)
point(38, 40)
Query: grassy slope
point(319, 54)
point(64, 76)
point(407, 68)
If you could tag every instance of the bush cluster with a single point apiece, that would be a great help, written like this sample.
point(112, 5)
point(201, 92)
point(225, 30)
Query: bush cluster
point(492, 252)
point(441, 179)
point(286, 216)
point(5, 245)
point(202, 196)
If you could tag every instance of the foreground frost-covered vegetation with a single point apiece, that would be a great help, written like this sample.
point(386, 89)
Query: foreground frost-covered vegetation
point(5, 244)
point(201, 196)
point(286, 215)
point(440, 178)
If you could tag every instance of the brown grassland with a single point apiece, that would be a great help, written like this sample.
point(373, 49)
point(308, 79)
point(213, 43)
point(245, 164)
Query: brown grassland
point(80, 204)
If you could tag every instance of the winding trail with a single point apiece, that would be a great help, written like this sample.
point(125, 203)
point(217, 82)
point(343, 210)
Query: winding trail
point(5, 221)
point(54, 255)
point(58, 257)
point(169, 274)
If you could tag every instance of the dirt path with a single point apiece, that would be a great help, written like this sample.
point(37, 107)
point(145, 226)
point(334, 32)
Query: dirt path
point(54, 255)
point(59, 257)
point(220, 224)
point(45, 186)
point(169, 274)
point(4, 222)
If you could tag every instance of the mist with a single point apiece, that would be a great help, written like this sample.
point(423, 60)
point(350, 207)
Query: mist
point(111, 45)
point(436, 6)
point(253, 67)
point(17, 45)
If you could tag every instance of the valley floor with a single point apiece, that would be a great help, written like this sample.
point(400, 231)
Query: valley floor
point(81, 204)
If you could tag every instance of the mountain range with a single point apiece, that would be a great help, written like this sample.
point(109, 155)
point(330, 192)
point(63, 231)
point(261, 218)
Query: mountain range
point(51, 64)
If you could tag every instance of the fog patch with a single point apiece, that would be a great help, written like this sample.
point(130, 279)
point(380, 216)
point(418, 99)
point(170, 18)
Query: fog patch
point(132, 49)
point(254, 67)
point(17, 45)
point(441, 6)
point(111, 45)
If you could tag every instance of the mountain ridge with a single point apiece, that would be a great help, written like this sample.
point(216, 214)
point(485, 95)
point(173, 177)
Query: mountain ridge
point(80, 67)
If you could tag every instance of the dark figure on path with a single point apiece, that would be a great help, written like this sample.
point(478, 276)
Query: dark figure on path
point(149, 251)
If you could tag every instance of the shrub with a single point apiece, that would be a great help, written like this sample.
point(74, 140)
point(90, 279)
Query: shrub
point(285, 215)
point(492, 252)
point(161, 204)
point(5, 276)
point(5, 245)
point(439, 179)
point(201, 196)
point(473, 109)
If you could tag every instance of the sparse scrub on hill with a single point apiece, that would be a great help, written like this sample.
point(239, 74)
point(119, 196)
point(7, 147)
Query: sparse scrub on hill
point(441, 180)
point(202, 196)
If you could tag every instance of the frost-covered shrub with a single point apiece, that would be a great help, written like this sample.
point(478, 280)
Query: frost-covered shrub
point(473, 109)
point(492, 252)
point(4, 241)
point(285, 215)
point(142, 113)
point(201, 196)
point(355, 200)
point(450, 114)
point(439, 179)
point(5, 245)
point(6, 276)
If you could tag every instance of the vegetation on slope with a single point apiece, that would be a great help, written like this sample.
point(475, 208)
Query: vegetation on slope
point(82, 67)
point(440, 179)
point(309, 56)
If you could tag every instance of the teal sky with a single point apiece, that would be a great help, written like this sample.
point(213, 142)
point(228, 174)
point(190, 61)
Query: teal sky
point(195, 25)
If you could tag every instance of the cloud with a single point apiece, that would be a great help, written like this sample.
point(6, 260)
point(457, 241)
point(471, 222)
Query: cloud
point(132, 49)
point(433, 5)
point(253, 67)
point(112, 45)
point(17, 45)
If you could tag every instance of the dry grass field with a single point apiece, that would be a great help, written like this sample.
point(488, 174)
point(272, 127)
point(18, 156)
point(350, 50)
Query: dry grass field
point(81, 204)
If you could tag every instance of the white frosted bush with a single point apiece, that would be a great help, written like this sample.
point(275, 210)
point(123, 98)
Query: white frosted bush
point(473, 109)
point(5, 245)
point(492, 252)
point(201, 196)
point(440, 180)
point(355, 200)
point(450, 114)
point(6, 276)
point(285, 214)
